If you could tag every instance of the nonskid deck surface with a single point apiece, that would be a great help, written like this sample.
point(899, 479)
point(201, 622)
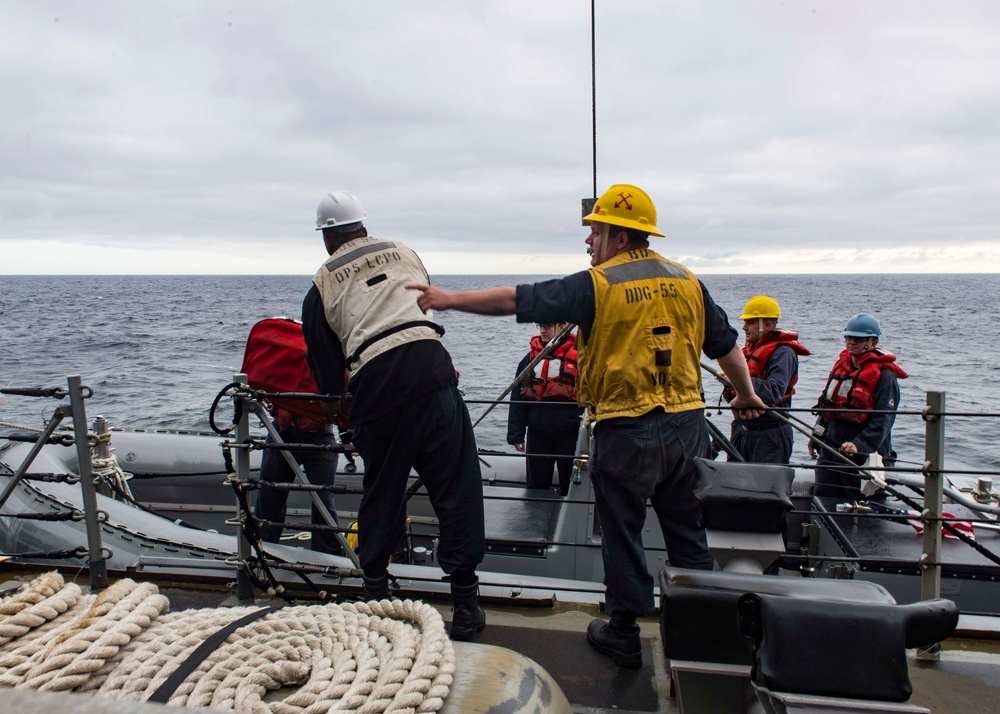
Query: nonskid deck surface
point(966, 679)
point(961, 682)
point(558, 642)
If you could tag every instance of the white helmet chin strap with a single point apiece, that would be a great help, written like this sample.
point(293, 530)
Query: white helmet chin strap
point(605, 233)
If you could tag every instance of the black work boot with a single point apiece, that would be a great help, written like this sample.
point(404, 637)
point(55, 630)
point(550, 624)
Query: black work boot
point(623, 647)
point(467, 618)
point(376, 588)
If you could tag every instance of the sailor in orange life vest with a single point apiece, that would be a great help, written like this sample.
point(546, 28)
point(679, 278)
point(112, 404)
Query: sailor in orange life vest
point(552, 430)
point(643, 322)
point(406, 410)
point(864, 377)
point(773, 360)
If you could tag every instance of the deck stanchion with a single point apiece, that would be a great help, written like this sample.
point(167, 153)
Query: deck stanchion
point(930, 569)
point(244, 585)
point(98, 566)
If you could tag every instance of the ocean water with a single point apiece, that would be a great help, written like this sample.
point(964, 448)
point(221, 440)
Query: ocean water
point(157, 349)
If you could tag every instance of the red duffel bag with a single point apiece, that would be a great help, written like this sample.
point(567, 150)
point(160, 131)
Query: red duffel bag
point(275, 361)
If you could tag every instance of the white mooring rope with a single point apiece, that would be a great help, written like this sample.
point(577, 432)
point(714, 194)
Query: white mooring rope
point(108, 470)
point(388, 656)
point(14, 425)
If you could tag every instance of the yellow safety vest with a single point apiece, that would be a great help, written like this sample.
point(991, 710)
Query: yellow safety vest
point(644, 349)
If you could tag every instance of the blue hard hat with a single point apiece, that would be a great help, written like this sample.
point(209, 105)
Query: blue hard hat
point(862, 325)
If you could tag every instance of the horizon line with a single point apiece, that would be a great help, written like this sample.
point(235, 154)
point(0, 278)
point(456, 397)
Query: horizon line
point(249, 275)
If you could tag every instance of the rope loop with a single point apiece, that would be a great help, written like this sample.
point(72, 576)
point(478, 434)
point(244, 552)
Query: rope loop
point(108, 471)
point(124, 643)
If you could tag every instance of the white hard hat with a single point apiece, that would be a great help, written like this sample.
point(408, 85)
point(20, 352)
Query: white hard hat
point(339, 208)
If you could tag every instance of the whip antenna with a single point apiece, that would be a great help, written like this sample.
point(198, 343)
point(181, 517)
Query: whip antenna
point(588, 203)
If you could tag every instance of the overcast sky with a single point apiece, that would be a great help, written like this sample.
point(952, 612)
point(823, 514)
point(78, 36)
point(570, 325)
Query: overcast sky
point(198, 137)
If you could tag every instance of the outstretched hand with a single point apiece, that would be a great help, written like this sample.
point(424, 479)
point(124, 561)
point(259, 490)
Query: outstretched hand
point(430, 298)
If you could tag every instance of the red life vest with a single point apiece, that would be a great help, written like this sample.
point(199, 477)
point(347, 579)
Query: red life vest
point(852, 388)
point(275, 361)
point(554, 377)
point(760, 352)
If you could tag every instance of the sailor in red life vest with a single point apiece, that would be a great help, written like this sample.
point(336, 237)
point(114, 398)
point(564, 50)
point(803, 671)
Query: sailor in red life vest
point(551, 430)
point(773, 360)
point(864, 377)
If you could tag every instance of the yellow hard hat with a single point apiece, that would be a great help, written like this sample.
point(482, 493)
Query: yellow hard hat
point(761, 306)
point(626, 206)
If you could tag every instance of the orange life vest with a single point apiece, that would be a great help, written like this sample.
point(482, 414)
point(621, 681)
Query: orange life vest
point(543, 385)
point(760, 352)
point(848, 387)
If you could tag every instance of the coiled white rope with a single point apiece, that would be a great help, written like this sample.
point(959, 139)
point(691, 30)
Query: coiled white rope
point(388, 656)
point(107, 469)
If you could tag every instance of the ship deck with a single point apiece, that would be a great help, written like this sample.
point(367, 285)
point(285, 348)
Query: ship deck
point(965, 678)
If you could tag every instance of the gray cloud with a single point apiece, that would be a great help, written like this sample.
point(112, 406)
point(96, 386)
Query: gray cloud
point(758, 128)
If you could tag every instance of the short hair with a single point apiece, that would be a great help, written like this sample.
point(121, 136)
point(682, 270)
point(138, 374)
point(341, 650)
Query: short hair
point(344, 233)
point(346, 229)
point(636, 238)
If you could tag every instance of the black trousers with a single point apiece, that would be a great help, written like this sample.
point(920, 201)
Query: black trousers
point(835, 479)
point(764, 446)
point(321, 470)
point(635, 461)
point(432, 435)
point(547, 451)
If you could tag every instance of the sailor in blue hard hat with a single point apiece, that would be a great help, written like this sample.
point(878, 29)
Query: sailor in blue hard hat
point(857, 409)
point(863, 325)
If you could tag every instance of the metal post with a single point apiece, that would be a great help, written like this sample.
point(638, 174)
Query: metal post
point(583, 512)
point(930, 571)
point(98, 567)
point(244, 586)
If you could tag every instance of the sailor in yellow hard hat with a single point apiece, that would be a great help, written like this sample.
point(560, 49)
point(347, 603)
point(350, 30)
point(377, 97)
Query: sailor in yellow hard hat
point(643, 323)
point(773, 360)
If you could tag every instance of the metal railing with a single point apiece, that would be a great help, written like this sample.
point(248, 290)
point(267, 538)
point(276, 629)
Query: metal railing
point(929, 479)
point(85, 441)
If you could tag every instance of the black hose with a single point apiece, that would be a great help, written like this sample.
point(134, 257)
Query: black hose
point(237, 410)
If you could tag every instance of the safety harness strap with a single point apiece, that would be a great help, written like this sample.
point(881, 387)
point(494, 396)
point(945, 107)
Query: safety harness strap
point(391, 331)
point(166, 690)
